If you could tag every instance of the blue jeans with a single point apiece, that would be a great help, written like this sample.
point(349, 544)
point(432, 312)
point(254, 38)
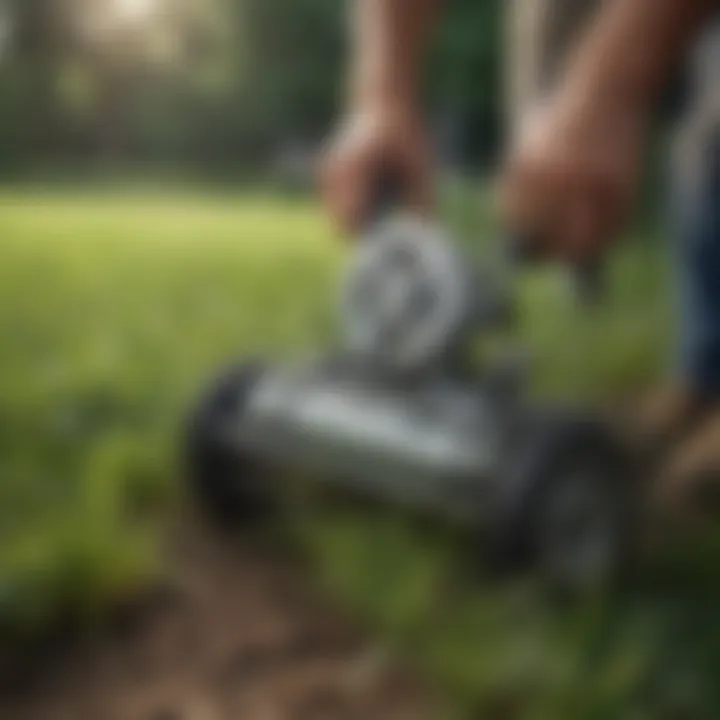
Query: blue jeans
point(697, 235)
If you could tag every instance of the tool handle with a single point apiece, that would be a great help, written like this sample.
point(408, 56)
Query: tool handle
point(587, 278)
point(385, 198)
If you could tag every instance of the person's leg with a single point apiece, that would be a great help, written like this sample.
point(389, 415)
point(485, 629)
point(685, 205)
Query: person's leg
point(668, 414)
point(696, 235)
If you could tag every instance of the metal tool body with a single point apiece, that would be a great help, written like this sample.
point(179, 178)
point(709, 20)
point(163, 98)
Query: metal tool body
point(436, 444)
point(399, 412)
point(392, 412)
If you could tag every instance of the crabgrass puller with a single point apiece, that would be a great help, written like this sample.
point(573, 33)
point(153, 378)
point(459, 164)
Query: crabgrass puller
point(399, 412)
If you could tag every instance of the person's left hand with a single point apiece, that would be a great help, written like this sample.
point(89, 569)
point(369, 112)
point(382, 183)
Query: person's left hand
point(379, 139)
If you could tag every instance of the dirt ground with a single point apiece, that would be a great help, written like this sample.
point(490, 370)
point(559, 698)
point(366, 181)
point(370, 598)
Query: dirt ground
point(234, 634)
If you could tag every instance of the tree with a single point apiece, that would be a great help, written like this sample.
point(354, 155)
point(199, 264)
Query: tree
point(466, 78)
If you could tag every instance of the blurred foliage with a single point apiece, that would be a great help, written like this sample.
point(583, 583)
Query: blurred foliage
point(113, 311)
point(466, 77)
point(211, 85)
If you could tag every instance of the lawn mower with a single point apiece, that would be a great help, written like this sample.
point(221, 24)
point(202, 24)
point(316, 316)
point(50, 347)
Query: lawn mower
point(401, 412)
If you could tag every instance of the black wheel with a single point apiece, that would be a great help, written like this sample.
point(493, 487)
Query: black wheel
point(229, 486)
point(569, 508)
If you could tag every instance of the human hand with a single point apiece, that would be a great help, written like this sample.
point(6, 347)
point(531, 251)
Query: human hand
point(376, 142)
point(571, 177)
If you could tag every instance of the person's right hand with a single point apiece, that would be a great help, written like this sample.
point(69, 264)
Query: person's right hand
point(372, 144)
point(572, 176)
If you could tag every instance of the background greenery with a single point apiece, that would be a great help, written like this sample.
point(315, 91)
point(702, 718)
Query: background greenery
point(213, 86)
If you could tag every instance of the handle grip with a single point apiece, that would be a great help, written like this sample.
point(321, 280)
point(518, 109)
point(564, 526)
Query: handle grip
point(385, 198)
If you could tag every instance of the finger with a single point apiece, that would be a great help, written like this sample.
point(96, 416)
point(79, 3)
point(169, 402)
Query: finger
point(616, 204)
point(332, 191)
point(597, 211)
point(579, 231)
point(346, 191)
point(364, 200)
point(533, 208)
point(418, 190)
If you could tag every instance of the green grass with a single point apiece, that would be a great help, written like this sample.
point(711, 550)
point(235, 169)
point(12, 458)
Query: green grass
point(115, 308)
point(113, 312)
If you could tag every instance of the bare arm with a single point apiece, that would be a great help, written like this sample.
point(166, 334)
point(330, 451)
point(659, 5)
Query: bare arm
point(389, 42)
point(382, 131)
point(539, 36)
point(630, 52)
point(573, 172)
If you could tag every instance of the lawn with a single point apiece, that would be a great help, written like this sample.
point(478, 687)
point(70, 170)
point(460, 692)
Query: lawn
point(116, 307)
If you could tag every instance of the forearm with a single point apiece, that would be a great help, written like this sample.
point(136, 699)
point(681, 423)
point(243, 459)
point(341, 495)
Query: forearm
point(389, 42)
point(633, 48)
point(541, 33)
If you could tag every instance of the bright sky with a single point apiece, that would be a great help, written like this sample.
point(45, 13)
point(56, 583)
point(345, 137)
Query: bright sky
point(135, 9)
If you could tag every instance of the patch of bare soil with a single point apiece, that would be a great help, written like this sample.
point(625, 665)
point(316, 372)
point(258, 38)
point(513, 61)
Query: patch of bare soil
point(235, 634)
